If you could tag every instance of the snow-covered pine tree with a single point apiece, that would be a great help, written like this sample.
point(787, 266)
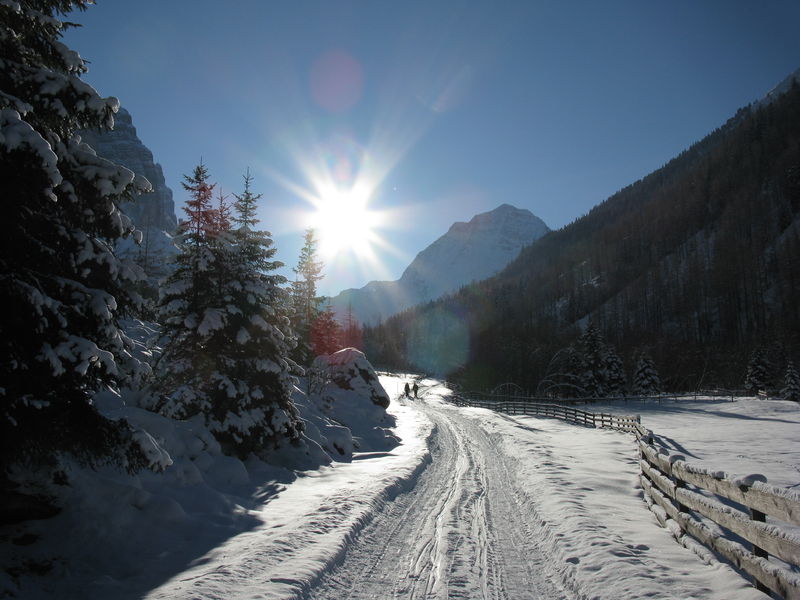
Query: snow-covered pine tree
point(791, 383)
point(227, 358)
point(326, 333)
point(264, 337)
point(305, 302)
point(646, 381)
point(592, 351)
point(62, 288)
point(189, 305)
point(614, 372)
point(758, 368)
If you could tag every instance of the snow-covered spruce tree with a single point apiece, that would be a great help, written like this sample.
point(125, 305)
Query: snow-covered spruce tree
point(227, 359)
point(791, 384)
point(305, 302)
point(758, 368)
point(646, 381)
point(614, 372)
point(592, 352)
point(61, 286)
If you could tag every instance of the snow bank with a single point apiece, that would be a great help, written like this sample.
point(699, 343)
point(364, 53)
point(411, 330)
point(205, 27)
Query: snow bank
point(305, 529)
point(121, 536)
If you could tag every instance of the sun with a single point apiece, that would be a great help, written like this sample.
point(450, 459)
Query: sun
point(344, 222)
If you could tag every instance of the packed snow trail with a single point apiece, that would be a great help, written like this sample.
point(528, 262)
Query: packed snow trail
point(472, 504)
point(461, 532)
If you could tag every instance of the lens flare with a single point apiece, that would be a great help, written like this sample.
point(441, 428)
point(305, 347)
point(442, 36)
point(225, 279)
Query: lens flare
point(337, 81)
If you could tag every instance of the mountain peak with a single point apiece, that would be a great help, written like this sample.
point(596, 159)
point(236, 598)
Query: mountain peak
point(780, 89)
point(467, 252)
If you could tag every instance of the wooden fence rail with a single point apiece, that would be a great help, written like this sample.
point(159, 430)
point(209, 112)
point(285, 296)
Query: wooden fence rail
point(718, 395)
point(690, 497)
point(759, 520)
point(523, 406)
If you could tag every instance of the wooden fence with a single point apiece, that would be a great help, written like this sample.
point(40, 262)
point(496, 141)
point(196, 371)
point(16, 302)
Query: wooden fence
point(686, 498)
point(524, 406)
point(693, 502)
point(717, 395)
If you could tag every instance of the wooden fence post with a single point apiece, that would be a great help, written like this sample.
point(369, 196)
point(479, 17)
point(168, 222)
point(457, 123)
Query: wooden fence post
point(759, 516)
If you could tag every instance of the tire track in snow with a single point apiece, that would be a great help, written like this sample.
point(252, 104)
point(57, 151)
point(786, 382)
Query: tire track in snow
point(459, 533)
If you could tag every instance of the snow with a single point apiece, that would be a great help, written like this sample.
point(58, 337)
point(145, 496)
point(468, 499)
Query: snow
point(165, 534)
point(745, 436)
point(16, 134)
point(427, 500)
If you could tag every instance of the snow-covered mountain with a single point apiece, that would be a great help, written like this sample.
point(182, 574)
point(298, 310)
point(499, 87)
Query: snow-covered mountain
point(780, 89)
point(467, 252)
point(153, 213)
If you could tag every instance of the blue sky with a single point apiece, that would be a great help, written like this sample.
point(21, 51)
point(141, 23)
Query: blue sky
point(440, 109)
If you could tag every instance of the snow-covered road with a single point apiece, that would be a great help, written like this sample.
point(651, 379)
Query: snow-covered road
point(472, 504)
point(461, 532)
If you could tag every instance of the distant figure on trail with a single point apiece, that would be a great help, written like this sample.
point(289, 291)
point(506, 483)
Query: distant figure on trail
point(415, 388)
point(407, 392)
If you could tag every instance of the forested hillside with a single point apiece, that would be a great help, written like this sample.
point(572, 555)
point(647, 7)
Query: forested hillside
point(697, 264)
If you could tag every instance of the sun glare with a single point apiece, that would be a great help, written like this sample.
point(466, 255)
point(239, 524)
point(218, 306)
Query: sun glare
point(344, 222)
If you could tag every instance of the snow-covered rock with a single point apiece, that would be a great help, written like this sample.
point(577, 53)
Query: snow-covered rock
point(349, 369)
point(467, 252)
point(152, 213)
point(345, 407)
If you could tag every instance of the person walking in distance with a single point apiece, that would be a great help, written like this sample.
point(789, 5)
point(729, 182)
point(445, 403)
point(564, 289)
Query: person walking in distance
point(415, 388)
point(407, 391)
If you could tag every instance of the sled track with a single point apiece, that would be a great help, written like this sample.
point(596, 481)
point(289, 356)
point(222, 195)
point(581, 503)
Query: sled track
point(461, 532)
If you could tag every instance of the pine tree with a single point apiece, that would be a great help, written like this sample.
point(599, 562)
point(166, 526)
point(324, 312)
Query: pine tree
point(305, 301)
point(202, 217)
point(326, 333)
point(228, 355)
point(757, 374)
point(189, 304)
point(646, 381)
point(592, 352)
point(352, 333)
point(222, 212)
point(791, 387)
point(62, 288)
point(614, 373)
point(246, 205)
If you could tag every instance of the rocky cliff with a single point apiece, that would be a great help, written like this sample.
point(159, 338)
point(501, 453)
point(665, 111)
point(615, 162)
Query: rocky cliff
point(153, 213)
